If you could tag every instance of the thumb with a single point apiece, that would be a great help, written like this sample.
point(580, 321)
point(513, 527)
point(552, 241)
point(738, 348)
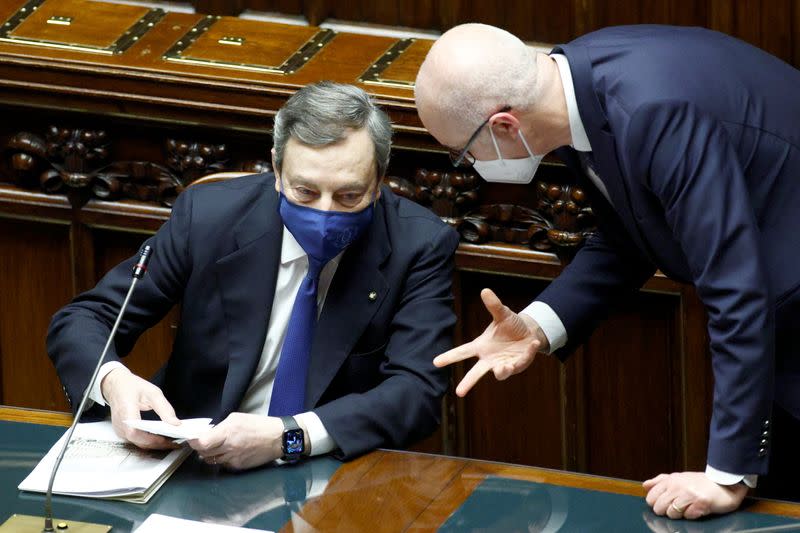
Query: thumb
point(493, 304)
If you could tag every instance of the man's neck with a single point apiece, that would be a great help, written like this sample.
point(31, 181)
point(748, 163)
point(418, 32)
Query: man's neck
point(550, 111)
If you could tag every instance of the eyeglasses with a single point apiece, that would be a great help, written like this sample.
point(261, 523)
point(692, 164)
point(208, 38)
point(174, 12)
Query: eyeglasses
point(463, 158)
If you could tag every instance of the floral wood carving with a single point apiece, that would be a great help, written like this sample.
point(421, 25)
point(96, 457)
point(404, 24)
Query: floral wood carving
point(73, 162)
point(448, 194)
point(560, 223)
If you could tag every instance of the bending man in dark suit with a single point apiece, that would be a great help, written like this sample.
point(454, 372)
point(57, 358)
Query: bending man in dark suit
point(688, 144)
point(235, 254)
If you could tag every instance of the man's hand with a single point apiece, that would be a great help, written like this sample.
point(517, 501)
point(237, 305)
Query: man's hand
point(691, 495)
point(241, 441)
point(506, 347)
point(127, 394)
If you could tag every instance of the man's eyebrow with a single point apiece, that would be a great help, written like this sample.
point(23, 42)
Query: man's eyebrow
point(305, 182)
point(300, 180)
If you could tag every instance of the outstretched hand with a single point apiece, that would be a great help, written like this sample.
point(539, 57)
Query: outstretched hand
point(506, 347)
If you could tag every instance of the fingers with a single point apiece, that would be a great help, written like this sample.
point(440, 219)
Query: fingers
point(494, 305)
point(154, 399)
point(697, 509)
point(141, 439)
point(663, 502)
point(459, 353)
point(652, 482)
point(472, 377)
point(212, 442)
point(655, 492)
point(676, 509)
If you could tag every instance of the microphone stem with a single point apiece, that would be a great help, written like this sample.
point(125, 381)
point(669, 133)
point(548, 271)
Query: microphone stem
point(48, 506)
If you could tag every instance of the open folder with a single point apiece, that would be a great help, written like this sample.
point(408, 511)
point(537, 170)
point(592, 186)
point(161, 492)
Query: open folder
point(99, 464)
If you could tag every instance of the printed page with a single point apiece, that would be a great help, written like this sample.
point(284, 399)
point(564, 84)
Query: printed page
point(98, 463)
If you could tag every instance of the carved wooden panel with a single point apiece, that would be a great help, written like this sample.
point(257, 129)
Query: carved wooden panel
point(75, 162)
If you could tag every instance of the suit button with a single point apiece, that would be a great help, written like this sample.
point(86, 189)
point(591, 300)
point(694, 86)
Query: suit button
point(763, 442)
point(766, 424)
point(762, 452)
point(765, 434)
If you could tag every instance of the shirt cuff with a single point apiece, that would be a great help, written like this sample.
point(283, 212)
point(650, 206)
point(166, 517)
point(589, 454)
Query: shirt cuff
point(96, 393)
point(551, 325)
point(725, 478)
point(321, 442)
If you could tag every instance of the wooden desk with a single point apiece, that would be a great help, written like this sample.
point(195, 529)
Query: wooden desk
point(382, 491)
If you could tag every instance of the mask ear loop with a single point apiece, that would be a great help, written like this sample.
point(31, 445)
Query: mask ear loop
point(494, 141)
point(525, 144)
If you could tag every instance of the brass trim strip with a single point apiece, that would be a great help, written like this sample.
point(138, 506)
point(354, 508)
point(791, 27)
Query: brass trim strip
point(17, 18)
point(372, 76)
point(294, 63)
point(125, 41)
point(59, 20)
point(235, 41)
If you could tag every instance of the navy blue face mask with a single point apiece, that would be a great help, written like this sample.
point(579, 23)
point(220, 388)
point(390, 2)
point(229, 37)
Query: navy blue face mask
point(323, 234)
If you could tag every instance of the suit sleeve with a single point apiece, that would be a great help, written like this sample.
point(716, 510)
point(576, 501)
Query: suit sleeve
point(406, 406)
point(586, 290)
point(78, 332)
point(686, 158)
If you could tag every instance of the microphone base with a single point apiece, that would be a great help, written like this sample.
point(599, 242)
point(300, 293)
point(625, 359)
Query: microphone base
point(23, 523)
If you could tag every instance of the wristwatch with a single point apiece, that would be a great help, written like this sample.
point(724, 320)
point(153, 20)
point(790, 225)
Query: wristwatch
point(293, 441)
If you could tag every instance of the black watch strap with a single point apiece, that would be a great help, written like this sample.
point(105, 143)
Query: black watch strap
point(289, 423)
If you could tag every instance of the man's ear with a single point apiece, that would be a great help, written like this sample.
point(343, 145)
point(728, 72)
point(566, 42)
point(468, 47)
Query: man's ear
point(504, 124)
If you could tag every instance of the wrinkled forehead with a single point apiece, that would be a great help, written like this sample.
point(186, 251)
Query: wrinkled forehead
point(348, 161)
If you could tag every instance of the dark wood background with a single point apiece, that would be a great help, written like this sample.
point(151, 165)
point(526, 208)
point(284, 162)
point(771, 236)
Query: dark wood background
point(773, 25)
point(634, 401)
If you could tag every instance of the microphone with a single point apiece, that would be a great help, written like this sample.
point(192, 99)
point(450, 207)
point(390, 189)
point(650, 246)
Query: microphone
point(26, 523)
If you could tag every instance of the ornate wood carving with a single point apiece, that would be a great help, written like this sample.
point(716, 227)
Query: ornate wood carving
point(560, 223)
point(448, 194)
point(74, 162)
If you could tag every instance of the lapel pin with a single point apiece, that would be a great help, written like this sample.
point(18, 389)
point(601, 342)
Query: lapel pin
point(372, 296)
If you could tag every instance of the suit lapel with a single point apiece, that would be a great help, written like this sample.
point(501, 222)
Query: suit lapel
point(603, 142)
point(348, 306)
point(246, 280)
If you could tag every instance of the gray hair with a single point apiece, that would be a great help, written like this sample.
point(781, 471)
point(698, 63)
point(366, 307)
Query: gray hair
point(322, 113)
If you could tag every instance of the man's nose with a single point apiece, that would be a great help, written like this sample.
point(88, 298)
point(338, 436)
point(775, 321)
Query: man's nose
point(325, 203)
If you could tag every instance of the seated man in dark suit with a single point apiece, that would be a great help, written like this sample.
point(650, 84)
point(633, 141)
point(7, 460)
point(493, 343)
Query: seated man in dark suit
point(310, 297)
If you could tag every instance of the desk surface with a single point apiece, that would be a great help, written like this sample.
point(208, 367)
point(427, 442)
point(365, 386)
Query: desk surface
point(382, 491)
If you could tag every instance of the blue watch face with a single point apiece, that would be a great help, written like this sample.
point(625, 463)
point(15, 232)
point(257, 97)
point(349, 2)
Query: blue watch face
point(293, 443)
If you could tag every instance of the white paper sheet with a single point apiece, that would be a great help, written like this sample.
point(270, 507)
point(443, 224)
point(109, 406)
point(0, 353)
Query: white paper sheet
point(159, 523)
point(190, 428)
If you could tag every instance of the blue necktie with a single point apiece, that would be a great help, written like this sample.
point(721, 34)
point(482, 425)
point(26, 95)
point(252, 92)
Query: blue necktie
point(289, 389)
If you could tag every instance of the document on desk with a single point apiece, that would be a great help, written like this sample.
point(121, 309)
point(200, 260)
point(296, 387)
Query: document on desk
point(190, 428)
point(99, 464)
point(159, 523)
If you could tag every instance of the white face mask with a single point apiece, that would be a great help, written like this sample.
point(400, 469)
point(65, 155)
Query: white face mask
point(501, 170)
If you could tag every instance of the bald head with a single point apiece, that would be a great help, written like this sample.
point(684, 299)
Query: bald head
point(470, 72)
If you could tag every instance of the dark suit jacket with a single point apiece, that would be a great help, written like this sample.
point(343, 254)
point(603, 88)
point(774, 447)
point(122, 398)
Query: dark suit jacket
point(695, 135)
point(371, 381)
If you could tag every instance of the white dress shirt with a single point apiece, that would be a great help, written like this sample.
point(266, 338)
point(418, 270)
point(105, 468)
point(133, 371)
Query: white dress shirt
point(292, 270)
point(548, 320)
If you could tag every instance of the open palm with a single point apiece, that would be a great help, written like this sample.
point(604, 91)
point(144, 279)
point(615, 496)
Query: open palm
point(506, 347)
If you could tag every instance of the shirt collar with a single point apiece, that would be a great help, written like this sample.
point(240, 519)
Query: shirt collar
point(580, 141)
point(290, 248)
